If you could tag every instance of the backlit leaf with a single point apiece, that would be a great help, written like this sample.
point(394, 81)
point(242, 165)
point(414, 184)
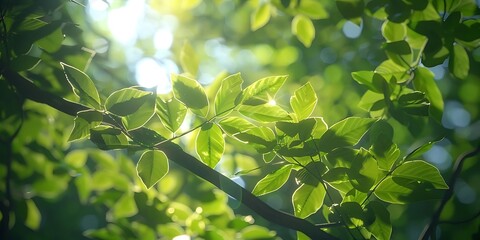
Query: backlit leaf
point(381, 227)
point(171, 112)
point(82, 85)
point(152, 166)
point(401, 190)
point(210, 144)
point(235, 125)
point(394, 31)
point(262, 90)
point(422, 171)
point(124, 207)
point(34, 217)
point(260, 138)
point(363, 172)
point(459, 63)
point(260, 16)
point(82, 124)
point(344, 133)
point(303, 28)
point(107, 138)
point(145, 136)
point(307, 199)
point(227, 93)
point(417, 152)
point(264, 112)
point(272, 181)
point(127, 101)
point(191, 93)
point(424, 81)
point(303, 101)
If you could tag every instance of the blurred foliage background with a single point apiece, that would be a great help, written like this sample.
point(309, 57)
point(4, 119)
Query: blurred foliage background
point(71, 190)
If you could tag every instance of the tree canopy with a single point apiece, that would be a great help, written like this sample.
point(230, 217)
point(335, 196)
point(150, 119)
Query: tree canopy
point(262, 119)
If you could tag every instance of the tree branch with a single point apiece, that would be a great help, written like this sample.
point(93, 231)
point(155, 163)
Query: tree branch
point(176, 154)
point(457, 169)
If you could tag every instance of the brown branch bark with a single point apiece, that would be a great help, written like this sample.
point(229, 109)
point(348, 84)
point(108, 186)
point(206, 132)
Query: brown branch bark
point(176, 154)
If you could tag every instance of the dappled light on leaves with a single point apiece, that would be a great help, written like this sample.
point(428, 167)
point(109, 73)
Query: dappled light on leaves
point(275, 119)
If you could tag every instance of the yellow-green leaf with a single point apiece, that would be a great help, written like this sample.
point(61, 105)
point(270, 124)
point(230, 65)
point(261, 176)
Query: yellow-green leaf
point(152, 166)
point(82, 85)
point(307, 199)
point(303, 28)
point(191, 93)
point(303, 101)
point(260, 16)
point(210, 144)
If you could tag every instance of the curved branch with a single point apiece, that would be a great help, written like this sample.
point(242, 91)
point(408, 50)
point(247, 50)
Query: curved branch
point(431, 227)
point(176, 154)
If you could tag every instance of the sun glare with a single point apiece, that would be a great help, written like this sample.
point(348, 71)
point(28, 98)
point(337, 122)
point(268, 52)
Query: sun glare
point(149, 73)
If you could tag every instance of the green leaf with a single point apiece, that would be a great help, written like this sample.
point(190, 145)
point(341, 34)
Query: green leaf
point(171, 112)
point(23, 63)
point(256, 232)
point(127, 101)
point(260, 16)
point(399, 52)
point(459, 63)
point(344, 133)
point(389, 69)
point(400, 190)
point(354, 214)
point(302, 129)
point(146, 136)
point(262, 90)
point(338, 179)
point(123, 207)
point(383, 148)
point(235, 125)
point(52, 42)
point(188, 59)
point(417, 152)
point(381, 227)
point(422, 171)
point(227, 93)
point(303, 101)
point(394, 31)
point(82, 86)
point(312, 8)
point(307, 199)
point(350, 9)
point(303, 28)
point(363, 172)
point(424, 81)
point(191, 93)
point(273, 181)
point(152, 166)
point(210, 144)
point(264, 112)
point(107, 138)
point(83, 122)
point(260, 138)
point(366, 78)
point(372, 102)
point(34, 217)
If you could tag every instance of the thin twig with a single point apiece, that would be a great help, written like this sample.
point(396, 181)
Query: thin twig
point(431, 227)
